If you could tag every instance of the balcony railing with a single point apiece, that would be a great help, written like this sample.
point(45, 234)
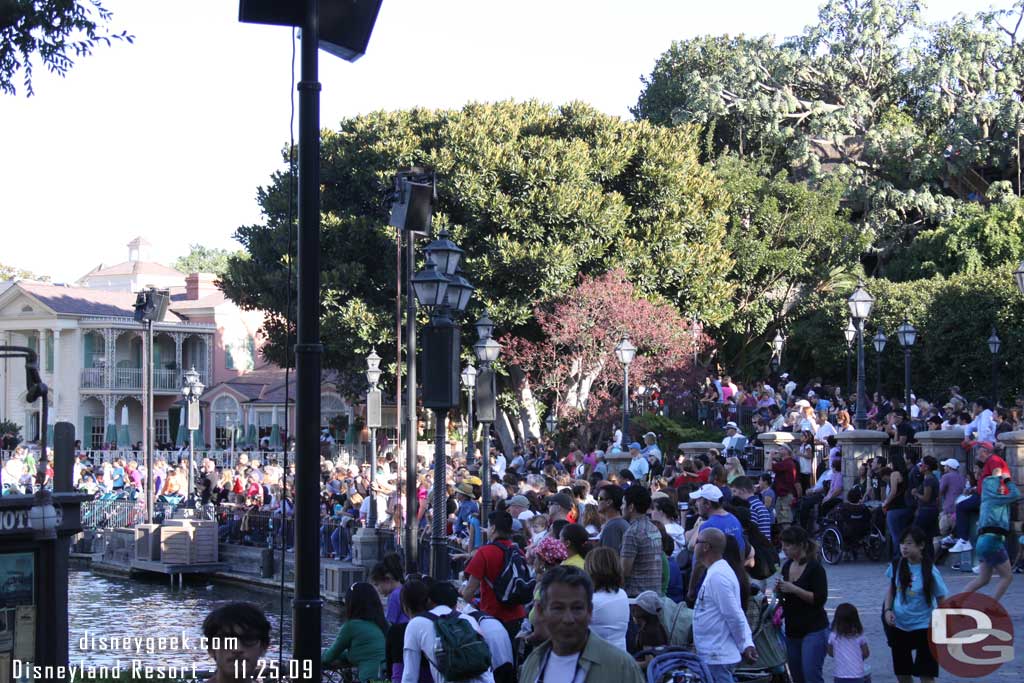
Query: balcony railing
point(131, 378)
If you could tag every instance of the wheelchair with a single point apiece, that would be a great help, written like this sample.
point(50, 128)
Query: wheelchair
point(849, 531)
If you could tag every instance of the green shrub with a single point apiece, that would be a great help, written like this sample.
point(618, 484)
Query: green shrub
point(671, 432)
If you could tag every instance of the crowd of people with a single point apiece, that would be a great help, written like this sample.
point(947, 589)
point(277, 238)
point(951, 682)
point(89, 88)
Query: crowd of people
point(592, 559)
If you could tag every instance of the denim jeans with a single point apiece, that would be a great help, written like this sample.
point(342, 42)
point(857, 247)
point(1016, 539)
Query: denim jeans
point(897, 521)
point(721, 673)
point(807, 656)
point(963, 516)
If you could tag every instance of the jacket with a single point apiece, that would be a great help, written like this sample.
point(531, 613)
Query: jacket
point(995, 506)
point(600, 661)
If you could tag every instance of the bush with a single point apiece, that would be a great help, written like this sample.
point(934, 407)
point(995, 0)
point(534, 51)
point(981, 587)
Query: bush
point(670, 432)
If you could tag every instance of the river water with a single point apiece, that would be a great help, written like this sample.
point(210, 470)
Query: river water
point(101, 607)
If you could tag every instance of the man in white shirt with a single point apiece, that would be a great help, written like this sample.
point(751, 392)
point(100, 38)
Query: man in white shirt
point(825, 428)
point(420, 638)
point(983, 426)
point(638, 465)
point(734, 442)
point(500, 464)
point(721, 633)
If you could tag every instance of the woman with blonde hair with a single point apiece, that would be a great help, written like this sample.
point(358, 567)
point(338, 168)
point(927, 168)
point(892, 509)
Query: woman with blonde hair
point(733, 469)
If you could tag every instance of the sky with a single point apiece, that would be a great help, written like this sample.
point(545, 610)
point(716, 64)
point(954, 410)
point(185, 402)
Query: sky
point(170, 137)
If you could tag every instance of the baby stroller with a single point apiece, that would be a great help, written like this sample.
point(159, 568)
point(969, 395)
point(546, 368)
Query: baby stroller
point(849, 530)
point(675, 665)
point(771, 652)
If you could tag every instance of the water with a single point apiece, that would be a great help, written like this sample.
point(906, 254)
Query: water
point(101, 607)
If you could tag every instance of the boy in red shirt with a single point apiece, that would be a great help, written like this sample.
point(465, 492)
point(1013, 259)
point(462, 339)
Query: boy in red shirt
point(485, 567)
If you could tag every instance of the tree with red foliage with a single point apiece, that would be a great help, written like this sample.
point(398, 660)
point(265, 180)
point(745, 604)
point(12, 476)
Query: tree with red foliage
point(574, 365)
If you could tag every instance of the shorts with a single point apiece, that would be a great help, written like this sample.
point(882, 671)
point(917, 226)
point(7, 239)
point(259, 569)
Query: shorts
point(911, 654)
point(947, 522)
point(784, 510)
point(991, 549)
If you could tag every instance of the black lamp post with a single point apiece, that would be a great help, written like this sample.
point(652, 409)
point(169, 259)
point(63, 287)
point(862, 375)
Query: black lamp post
point(907, 335)
point(994, 344)
point(551, 423)
point(439, 288)
point(373, 422)
point(850, 333)
point(625, 351)
point(860, 304)
point(486, 351)
point(879, 344)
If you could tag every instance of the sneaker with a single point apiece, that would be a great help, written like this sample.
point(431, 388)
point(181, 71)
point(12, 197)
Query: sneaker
point(1019, 569)
point(948, 540)
point(961, 546)
point(976, 569)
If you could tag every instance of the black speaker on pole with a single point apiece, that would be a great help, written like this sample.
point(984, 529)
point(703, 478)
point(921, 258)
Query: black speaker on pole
point(345, 25)
point(486, 401)
point(440, 375)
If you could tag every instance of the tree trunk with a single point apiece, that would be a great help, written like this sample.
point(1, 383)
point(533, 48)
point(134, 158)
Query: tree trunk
point(528, 419)
point(506, 436)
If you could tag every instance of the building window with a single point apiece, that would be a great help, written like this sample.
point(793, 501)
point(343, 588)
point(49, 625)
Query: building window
point(226, 416)
point(241, 354)
point(161, 432)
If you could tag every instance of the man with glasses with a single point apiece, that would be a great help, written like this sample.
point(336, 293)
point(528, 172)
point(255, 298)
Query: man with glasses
point(609, 505)
point(721, 634)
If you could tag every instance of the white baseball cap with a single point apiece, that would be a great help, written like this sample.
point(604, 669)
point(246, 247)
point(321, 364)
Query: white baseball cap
point(707, 492)
point(951, 463)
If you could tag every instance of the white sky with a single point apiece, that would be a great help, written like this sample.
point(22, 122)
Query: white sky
point(170, 137)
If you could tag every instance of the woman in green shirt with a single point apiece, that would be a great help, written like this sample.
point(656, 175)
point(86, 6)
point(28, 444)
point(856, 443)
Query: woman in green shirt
point(360, 641)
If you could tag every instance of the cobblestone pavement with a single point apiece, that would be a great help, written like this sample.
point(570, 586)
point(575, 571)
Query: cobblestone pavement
point(864, 584)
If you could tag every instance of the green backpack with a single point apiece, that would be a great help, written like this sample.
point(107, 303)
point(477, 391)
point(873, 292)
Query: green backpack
point(462, 653)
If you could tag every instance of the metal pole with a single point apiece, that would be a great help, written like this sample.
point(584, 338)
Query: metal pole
point(439, 547)
point(625, 404)
point(190, 503)
point(371, 518)
point(306, 605)
point(906, 380)
point(398, 357)
point(485, 475)
point(848, 380)
point(41, 464)
point(147, 428)
point(861, 419)
point(469, 441)
point(995, 379)
point(878, 372)
point(411, 501)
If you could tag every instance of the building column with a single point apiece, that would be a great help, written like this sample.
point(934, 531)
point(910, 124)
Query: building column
point(5, 340)
point(56, 379)
point(177, 336)
point(109, 353)
point(209, 360)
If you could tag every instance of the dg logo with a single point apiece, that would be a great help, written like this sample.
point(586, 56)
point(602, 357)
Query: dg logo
point(971, 635)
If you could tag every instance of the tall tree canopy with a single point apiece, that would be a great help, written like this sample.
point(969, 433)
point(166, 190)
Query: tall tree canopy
point(911, 118)
point(202, 259)
point(53, 31)
point(537, 196)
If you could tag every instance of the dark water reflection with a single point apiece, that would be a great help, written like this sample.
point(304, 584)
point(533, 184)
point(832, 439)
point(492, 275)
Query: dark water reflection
point(103, 607)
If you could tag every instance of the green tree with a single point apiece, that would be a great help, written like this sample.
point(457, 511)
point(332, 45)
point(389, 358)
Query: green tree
point(912, 119)
point(788, 241)
point(53, 31)
point(14, 273)
point(202, 259)
point(537, 196)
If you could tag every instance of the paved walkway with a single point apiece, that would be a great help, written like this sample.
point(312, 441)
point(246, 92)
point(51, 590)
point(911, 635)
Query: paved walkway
point(864, 584)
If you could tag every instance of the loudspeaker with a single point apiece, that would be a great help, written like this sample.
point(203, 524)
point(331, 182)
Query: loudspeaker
point(486, 401)
point(414, 207)
point(151, 304)
point(373, 412)
point(440, 377)
point(345, 25)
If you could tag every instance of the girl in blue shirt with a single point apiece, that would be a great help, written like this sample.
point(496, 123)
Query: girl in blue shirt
point(915, 589)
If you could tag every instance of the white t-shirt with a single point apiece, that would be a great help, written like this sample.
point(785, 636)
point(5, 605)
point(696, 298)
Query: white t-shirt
point(500, 465)
point(562, 669)
point(678, 534)
point(497, 641)
point(420, 637)
point(610, 619)
point(824, 431)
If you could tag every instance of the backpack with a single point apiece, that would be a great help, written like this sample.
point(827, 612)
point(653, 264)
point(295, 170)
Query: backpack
point(766, 559)
point(463, 654)
point(514, 585)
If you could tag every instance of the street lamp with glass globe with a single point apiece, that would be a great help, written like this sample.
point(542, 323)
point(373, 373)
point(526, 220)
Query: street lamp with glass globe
point(860, 304)
point(373, 422)
point(551, 423)
point(469, 386)
point(994, 344)
point(850, 333)
point(907, 334)
point(776, 345)
point(486, 350)
point(625, 351)
point(879, 341)
point(191, 389)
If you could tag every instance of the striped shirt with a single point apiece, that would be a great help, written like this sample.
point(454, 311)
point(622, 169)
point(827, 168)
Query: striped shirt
point(642, 544)
point(760, 516)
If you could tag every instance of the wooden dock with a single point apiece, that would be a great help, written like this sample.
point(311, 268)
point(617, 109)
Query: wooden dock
point(178, 570)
